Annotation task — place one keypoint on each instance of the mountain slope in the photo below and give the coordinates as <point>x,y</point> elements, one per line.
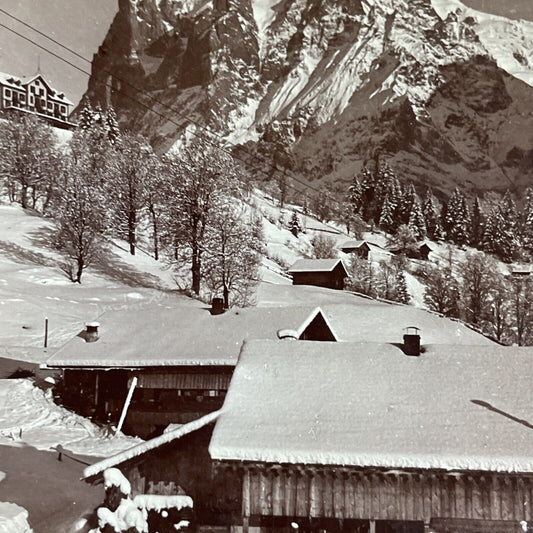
<point>356,78</point>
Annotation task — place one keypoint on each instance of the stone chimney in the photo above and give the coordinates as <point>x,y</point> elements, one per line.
<point>411,341</point>
<point>217,306</point>
<point>91,331</point>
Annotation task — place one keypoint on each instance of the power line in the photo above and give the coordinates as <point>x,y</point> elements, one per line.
<point>156,101</point>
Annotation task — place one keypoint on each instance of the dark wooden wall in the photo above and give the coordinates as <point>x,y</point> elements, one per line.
<point>330,280</point>
<point>345,493</point>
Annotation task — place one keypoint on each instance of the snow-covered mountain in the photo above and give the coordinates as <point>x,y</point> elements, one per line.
<point>321,86</point>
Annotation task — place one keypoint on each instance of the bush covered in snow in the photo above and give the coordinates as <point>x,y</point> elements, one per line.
<point>146,513</point>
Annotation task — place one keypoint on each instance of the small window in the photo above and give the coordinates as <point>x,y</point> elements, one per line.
<point>32,89</point>
<point>63,110</point>
<point>7,93</point>
<point>50,106</point>
<point>23,98</point>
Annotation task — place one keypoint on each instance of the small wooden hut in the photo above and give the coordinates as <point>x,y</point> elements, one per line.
<point>329,273</point>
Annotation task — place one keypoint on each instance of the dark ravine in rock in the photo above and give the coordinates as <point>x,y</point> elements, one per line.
<point>321,86</point>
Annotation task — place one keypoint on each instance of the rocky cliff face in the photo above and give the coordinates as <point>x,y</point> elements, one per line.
<point>321,86</point>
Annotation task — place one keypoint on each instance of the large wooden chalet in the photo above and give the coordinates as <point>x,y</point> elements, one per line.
<point>329,273</point>
<point>362,437</point>
<point>35,95</point>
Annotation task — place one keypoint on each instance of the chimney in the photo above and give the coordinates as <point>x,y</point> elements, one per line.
<point>91,331</point>
<point>411,341</point>
<point>288,334</point>
<point>217,306</point>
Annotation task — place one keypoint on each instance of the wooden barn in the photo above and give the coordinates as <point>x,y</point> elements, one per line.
<point>329,273</point>
<point>178,361</point>
<point>360,437</point>
<point>366,250</point>
<point>420,250</point>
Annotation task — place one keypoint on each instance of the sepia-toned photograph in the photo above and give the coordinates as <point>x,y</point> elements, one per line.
<point>266,266</point>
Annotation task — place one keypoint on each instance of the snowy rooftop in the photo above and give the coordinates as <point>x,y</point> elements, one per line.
<point>185,334</point>
<point>17,82</point>
<point>315,265</point>
<point>352,244</point>
<point>142,448</point>
<point>369,405</point>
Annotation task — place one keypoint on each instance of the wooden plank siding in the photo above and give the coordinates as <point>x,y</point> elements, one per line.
<point>413,496</point>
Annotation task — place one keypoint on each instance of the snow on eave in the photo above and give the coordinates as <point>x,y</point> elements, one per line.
<point>317,311</point>
<point>144,447</point>
<point>507,464</point>
<point>138,364</point>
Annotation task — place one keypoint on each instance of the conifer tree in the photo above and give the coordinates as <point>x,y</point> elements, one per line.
<point>477,224</point>
<point>294,224</point>
<point>86,115</point>
<point>405,205</point>
<point>111,125</point>
<point>403,295</point>
<point>456,220</point>
<point>431,216</point>
<point>355,195</point>
<point>416,222</point>
<point>527,226</point>
<point>368,190</point>
<point>386,219</point>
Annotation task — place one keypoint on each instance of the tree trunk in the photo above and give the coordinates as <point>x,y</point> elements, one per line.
<point>154,226</point>
<point>131,231</point>
<point>196,269</point>
<point>79,271</point>
<point>24,196</point>
<point>225,293</point>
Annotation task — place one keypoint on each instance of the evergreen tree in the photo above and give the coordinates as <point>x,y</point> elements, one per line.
<point>527,226</point>
<point>294,224</point>
<point>111,125</point>
<point>403,295</point>
<point>477,224</point>
<point>405,206</point>
<point>368,191</point>
<point>386,219</point>
<point>86,115</point>
<point>432,217</point>
<point>499,237</point>
<point>456,219</point>
<point>404,241</point>
<point>355,195</point>
<point>416,222</point>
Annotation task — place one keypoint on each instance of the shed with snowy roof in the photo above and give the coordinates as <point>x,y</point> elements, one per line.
<point>366,250</point>
<point>329,273</point>
<point>361,437</point>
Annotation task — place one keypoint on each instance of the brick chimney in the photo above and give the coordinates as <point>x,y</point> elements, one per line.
<point>91,331</point>
<point>411,341</point>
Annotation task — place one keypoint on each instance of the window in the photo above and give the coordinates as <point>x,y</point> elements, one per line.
<point>32,89</point>
<point>63,110</point>
<point>7,93</point>
<point>23,98</point>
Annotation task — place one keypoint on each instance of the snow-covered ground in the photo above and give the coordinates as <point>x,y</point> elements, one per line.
<point>29,416</point>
